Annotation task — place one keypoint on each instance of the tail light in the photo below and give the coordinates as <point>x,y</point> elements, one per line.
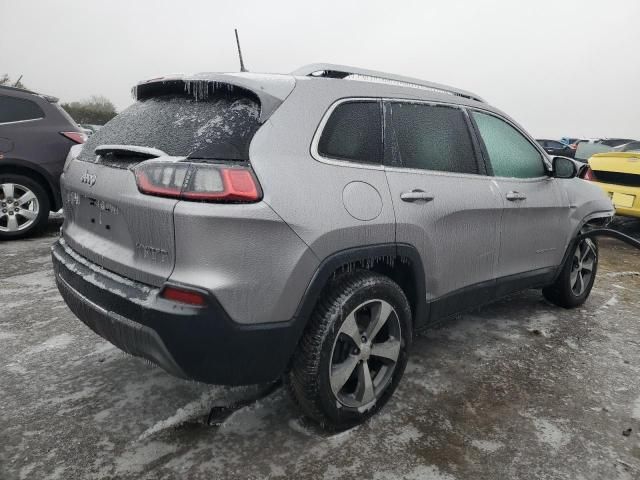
<point>183,295</point>
<point>77,137</point>
<point>206,182</point>
<point>588,174</point>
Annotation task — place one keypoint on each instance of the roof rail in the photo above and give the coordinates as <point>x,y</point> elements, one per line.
<point>328,70</point>
<point>48,98</point>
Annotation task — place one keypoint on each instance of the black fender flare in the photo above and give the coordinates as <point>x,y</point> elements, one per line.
<point>359,256</point>
<point>603,218</point>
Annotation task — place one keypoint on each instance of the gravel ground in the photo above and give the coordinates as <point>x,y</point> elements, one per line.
<point>518,389</point>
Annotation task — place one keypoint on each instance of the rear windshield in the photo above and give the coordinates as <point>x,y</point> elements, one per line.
<point>219,127</point>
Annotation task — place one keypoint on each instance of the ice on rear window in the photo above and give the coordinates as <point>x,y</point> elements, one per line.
<point>219,127</point>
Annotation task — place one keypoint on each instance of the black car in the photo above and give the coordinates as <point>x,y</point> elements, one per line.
<point>554,147</point>
<point>35,137</point>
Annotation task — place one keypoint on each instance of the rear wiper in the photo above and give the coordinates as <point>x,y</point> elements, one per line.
<point>129,150</point>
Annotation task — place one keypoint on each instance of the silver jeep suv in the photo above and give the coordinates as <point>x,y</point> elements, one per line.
<point>235,228</point>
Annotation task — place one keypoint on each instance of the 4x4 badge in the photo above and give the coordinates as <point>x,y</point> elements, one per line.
<point>88,178</point>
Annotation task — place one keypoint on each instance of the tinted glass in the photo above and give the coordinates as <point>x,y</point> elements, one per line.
<point>16,109</point>
<point>631,147</point>
<point>554,144</point>
<point>353,132</point>
<point>510,153</point>
<point>220,127</point>
<point>431,137</point>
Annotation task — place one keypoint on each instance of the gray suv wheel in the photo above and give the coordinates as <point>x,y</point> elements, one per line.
<point>573,286</point>
<point>24,206</point>
<point>354,351</point>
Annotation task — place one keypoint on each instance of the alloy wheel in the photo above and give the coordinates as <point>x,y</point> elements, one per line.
<point>365,354</point>
<point>584,260</point>
<point>19,207</point>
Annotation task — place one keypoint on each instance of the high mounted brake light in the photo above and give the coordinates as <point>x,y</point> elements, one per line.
<point>203,182</point>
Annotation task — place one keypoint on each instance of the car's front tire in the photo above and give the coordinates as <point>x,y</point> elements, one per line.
<point>353,352</point>
<point>573,286</point>
<point>24,206</point>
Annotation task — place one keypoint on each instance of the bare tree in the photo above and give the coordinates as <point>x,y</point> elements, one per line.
<point>5,79</point>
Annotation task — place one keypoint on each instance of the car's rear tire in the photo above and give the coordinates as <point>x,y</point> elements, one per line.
<point>353,351</point>
<point>573,286</point>
<point>24,206</point>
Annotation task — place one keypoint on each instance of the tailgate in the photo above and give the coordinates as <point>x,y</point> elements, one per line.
<point>109,222</point>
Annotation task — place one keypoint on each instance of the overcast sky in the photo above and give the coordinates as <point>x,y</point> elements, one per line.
<point>559,67</point>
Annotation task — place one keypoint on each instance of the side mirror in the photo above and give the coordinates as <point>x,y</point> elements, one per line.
<point>564,167</point>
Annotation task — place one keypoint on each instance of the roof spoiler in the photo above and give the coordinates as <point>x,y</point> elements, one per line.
<point>271,90</point>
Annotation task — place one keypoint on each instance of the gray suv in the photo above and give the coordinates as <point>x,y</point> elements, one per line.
<point>235,228</point>
<point>35,137</point>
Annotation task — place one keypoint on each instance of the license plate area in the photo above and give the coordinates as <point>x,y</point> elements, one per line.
<point>93,213</point>
<point>623,200</point>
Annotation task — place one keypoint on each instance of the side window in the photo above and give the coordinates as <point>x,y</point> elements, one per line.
<point>16,109</point>
<point>353,133</point>
<point>430,137</point>
<point>510,153</point>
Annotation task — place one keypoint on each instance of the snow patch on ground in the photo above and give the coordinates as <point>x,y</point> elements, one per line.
<point>7,335</point>
<point>487,446</point>
<point>611,302</point>
<point>59,341</point>
<point>550,434</point>
<point>297,425</point>
<point>403,436</point>
<point>422,472</point>
<point>197,408</point>
<point>636,409</point>
<point>136,460</point>
<point>622,274</point>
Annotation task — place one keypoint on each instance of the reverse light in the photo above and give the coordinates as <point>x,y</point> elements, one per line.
<point>206,182</point>
<point>77,137</point>
<point>182,295</point>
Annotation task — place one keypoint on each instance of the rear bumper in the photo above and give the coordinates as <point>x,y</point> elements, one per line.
<point>199,343</point>
<point>611,188</point>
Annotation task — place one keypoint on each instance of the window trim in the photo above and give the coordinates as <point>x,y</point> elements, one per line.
<point>485,153</point>
<point>21,121</point>
<point>13,122</point>
<point>343,162</point>
<point>475,146</point>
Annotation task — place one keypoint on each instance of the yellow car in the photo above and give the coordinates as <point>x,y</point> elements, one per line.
<point>618,174</point>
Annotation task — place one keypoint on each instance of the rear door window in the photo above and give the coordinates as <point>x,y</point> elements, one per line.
<point>430,137</point>
<point>18,109</point>
<point>510,153</point>
<point>353,133</point>
<point>219,127</point>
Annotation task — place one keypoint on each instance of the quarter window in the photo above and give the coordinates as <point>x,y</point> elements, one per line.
<point>16,109</point>
<point>430,137</point>
<point>354,133</point>
<point>510,153</point>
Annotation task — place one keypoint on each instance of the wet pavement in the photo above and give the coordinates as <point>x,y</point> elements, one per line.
<point>517,390</point>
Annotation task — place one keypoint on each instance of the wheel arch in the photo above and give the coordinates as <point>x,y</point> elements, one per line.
<point>38,174</point>
<point>593,220</point>
<point>400,262</point>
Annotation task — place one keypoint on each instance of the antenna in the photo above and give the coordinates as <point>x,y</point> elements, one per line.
<point>18,81</point>
<point>242,69</point>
